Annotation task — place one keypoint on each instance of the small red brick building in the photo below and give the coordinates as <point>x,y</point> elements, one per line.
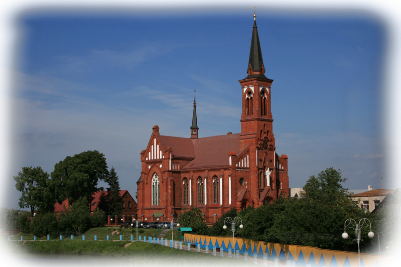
<point>129,205</point>
<point>217,173</point>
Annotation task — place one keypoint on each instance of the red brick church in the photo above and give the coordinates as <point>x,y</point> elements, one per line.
<point>220,172</point>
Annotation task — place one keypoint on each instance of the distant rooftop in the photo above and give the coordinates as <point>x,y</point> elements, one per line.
<point>375,192</point>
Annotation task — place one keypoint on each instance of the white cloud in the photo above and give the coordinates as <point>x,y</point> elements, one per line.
<point>110,58</point>
<point>46,85</point>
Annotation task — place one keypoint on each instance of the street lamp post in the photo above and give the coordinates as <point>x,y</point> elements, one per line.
<point>358,228</point>
<point>233,221</point>
<point>172,221</point>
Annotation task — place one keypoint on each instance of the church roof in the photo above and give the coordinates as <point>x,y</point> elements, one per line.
<point>182,147</point>
<point>212,152</point>
<point>205,152</point>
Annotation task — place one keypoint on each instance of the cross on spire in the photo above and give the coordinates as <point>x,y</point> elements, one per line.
<point>254,14</point>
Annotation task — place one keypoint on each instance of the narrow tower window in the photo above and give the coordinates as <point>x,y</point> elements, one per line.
<point>249,105</point>
<point>185,190</point>
<point>155,190</point>
<point>216,190</point>
<point>263,96</point>
<point>200,190</point>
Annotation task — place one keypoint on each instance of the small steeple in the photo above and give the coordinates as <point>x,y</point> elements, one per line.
<point>194,128</point>
<point>255,65</point>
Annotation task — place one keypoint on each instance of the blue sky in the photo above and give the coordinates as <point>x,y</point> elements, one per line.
<point>90,81</point>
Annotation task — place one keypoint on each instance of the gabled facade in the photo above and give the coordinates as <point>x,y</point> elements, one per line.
<point>128,204</point>
<point>217,173</point>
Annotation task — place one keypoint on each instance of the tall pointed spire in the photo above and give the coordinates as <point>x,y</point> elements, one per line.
<point>194,128</point>
<point>256,69</point>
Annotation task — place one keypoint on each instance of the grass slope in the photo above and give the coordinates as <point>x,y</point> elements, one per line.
<point>142,253</point>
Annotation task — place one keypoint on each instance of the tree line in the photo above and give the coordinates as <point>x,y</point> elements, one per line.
<point>316,219</point>
<point>76,179</point>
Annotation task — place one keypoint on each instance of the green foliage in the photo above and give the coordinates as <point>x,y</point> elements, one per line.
<point>258,222</point>
<point>9,218</point>
<point>78,176</point>
<point>45,224</point>
<point>36,189</point>
<point>24,222</point>
<point>316,220</point>
<point>98,218</point>
<point>326,187</point>
<point>217,228</point>
<point>194,219</point>
<point>76,219</point>
<point>110,203</point>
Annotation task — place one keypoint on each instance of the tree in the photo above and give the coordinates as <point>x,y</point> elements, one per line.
<point>326,187</point>
<point>113,197</point>
<point>79,175</point>
<point>36,189</point>
<point>44,224</point>
<point>258,222</point>
<point>193,218</point>
<point>217,228</point>
<point>76,219</point>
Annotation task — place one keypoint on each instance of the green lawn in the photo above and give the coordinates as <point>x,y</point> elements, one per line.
<point>117,251</point>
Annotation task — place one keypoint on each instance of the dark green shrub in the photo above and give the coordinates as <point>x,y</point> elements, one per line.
<point>45,224</point>
<point>193,218</point>
<point>77,219</point>
<point>24,222</point>
<point>97,218</point>
<point>9,218</point>
<point>217,228</point>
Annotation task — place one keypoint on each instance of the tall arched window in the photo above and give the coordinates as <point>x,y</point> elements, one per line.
<point>185,190</point>
<point>263,96</point>
<point>216,190</point>
<point>261,179</point>
<point>155,190</point>
<point>249,104</point>
<point>200,190</point>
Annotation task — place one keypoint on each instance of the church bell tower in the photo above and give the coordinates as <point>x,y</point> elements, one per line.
<point>256,116</point>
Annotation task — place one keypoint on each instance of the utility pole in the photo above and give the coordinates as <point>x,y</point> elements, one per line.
<point>382,182</point>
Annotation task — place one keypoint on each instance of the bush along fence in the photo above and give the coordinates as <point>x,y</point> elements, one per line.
<point>297,255</point>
